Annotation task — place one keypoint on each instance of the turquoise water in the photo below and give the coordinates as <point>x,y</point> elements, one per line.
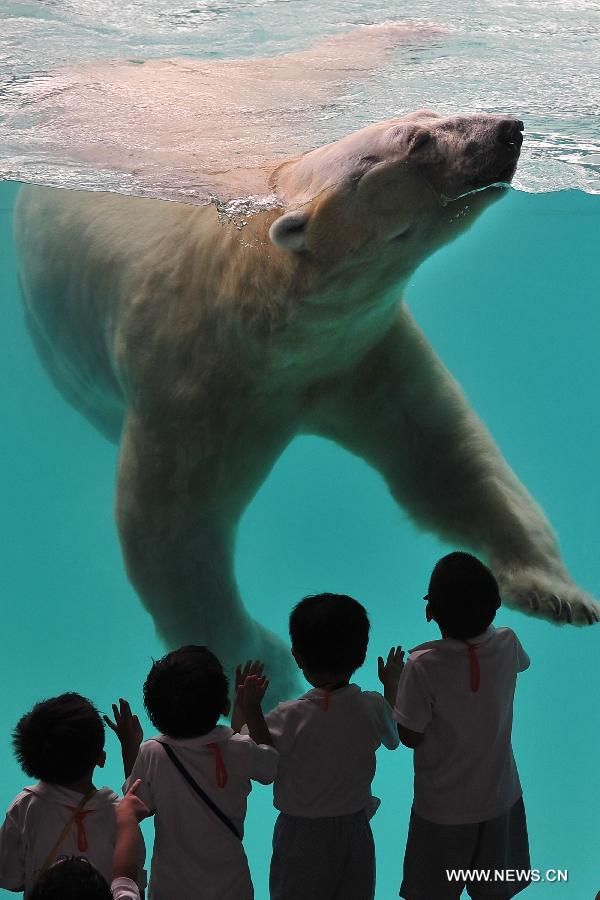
<point>512,308</point>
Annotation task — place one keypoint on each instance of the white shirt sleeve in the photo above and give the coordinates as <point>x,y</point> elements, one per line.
<point>12,858</point>
<point>140,770</point>
<point>262,759</point>
<point>413,700</point>
<point>523,661</point>
<point>124,889</point>
<point>384,718</point>
<point>279,725</point>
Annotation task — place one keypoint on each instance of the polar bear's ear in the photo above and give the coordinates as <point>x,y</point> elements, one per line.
<point>289,231</point>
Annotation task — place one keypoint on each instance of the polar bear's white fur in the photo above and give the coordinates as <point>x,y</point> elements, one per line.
<point>204,349</point>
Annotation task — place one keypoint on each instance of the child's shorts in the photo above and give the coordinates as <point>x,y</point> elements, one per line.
<point>499,847</point>
<point>329,858</point>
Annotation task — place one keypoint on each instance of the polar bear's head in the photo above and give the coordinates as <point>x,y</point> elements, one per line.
<point>394,191</point>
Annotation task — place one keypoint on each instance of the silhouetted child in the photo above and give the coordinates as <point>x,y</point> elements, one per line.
<point>195,777</point>
<point>60,742</point>
<point>322,844</point>
<point>73,878</point>
<point>455,707</point>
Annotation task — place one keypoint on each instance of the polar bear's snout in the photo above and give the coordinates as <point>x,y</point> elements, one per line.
<point>466,153</point>
<point>509,140</point>
<point>510,133</point>
<point>499,149</point>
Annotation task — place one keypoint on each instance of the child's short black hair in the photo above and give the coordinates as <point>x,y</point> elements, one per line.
<point>60,740</point>
<point>186,692</point>
<point>463,595</point>
<point>72,879</point>
<point>330,632</point>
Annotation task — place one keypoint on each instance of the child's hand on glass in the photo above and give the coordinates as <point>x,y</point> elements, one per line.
<point>389,673</point>
<point>251,691</point>
<point>251,667</point>
<point>127,728</point>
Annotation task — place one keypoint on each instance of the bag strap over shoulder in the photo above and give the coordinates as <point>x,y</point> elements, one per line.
<point>198,790</point>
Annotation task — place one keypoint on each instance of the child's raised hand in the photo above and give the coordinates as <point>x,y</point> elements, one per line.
<point>249,696</point>
<point>390,671</point>
<point>126,726</point>
<point>250,693</point>
<point>131,806</point>
<point>251,667</point>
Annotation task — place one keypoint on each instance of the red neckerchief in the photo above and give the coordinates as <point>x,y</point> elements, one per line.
<point>78,818</point>
<point>475,672</point>
<point>327,689</point>
<point>220,769</point>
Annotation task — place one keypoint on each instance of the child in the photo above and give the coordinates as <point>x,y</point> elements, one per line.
<point>454,707</point>
<point>75,879</point>
<point>322,844</point>
<point>60,742</point>
<point>198,847</point>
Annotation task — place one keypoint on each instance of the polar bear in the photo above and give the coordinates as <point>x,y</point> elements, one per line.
<point>203,349</point>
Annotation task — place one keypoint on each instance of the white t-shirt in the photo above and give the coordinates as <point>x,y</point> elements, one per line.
<point>34,823</point>
<point>327,750</point>
<point>195,854</point>
<point>124,889</point>
<point>464,767</point>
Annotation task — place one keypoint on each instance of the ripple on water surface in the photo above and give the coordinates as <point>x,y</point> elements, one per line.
<point>70,118</point>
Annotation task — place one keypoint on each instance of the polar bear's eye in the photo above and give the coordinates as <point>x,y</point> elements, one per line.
<point>370,160</point>
<point>420,139</point>
<point>365,164</point>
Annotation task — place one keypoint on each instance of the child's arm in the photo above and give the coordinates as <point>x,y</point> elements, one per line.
<point>410,739</point>
<point>129,854</point>
<point>252,667</point>
<point>249,698</point>
<point>129,731</point>
<point>390,672</point>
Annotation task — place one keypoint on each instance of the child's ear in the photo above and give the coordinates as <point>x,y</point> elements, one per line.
<point>298,658</point>
<point>226,709</point>
<point>428,613</point>
<point>101,760</point>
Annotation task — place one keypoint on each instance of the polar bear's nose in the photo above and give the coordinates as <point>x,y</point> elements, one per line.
<point>509,133</point>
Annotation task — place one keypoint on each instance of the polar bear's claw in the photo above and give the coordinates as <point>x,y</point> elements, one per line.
<point>538,594</point>
<point>557,604</point>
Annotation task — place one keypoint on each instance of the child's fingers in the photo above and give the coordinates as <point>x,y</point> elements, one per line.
<point>112,725</point>
<point>134,787</point>
<point>242,671</point>
<point>124,708</point>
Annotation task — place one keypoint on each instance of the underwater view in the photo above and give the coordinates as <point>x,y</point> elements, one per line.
<point>105,103</point>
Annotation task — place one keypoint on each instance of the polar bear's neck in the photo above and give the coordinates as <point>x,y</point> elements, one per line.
<point>307,322</point>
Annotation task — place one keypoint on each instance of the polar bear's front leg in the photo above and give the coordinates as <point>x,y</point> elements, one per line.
<point>403,412</point>
<point>179,499</point>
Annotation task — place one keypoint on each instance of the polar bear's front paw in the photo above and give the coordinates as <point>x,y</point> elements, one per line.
<point>280,668</point>
<point>538,594</point>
